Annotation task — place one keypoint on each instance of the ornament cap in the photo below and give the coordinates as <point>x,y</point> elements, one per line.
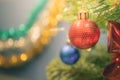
<point>83,15</point>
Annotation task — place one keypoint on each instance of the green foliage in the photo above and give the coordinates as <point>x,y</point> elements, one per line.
<point>99,11</point>
<point>89,67</point>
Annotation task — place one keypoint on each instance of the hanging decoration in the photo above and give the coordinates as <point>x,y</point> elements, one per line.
<point>69,54</point>
<point>84,33</point>
<point>40,35</point>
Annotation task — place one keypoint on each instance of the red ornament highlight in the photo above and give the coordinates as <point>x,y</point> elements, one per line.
<point>84,33</point>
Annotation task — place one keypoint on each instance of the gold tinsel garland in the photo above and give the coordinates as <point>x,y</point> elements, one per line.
<point>52,10</point>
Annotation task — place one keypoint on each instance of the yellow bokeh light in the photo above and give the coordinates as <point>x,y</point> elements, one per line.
<point>14,59</point>
<point>23,57</point>
<point>45,41</point>
<point>1,60</point>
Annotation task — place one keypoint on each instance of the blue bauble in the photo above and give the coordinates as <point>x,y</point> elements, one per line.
<point>69,54</point>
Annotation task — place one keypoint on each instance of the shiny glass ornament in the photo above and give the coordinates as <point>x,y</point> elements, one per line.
<point>114,37</point>
<point>69,54</point>
<point>84,33</point>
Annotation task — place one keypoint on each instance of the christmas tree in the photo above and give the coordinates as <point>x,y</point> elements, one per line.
<point>92,62</point>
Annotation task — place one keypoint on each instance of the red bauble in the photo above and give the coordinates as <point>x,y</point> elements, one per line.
<point>84,33</point>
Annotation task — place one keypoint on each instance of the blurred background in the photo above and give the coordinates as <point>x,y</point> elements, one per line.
<point>13,14</point>
<point>32,34</point>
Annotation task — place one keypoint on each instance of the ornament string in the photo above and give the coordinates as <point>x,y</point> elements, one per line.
<point>82,14</point>
<point>83,6</point>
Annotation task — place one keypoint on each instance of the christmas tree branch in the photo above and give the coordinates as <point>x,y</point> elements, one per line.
<point>89,67</point>
<point>99,11</point>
